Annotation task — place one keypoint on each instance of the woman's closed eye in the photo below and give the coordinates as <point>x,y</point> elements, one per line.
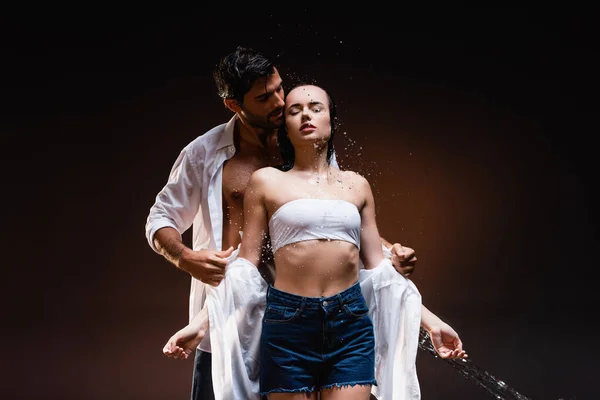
<point>315,109</point>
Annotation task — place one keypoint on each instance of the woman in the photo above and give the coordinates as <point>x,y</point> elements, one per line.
<point>317,333</point>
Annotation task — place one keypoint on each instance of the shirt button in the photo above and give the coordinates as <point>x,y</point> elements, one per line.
<point>325,303</point>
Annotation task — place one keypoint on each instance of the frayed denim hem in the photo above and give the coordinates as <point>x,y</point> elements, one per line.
<point>372,382</point>
<point>305,389</point>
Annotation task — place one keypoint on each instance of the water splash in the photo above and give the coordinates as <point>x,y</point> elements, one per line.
<point>495,387</point>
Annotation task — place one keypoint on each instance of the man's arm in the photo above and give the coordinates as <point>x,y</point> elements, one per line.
<point>207,266</point>
<point>169,243</point>
<point>176,204</point>
<point>173,212</point>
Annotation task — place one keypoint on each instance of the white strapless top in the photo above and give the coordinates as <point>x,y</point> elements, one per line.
<point>310,219</point>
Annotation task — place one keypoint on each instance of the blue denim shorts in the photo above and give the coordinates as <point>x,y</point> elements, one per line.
<point>313,343</point>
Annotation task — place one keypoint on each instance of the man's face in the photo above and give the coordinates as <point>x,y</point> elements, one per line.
<point>263,104</point>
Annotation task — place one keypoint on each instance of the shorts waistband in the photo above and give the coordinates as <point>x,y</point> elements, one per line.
<point>294,300</point>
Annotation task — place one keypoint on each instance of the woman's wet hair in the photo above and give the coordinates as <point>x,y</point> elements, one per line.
<point>286,148</point>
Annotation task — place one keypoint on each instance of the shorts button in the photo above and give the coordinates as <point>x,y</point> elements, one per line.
<point>325,303</point>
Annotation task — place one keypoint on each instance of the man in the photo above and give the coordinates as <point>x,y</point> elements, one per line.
<point>206,189</point>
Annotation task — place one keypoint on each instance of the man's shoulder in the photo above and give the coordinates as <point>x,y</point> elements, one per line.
<point>209,139</point>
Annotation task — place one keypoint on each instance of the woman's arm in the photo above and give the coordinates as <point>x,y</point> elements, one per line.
<point>255,216</point>
<point>371,252</point>
<point>445,340</point>
<point>184,341</point>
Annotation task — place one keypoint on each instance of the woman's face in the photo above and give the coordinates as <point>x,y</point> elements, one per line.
<point>307,115</point>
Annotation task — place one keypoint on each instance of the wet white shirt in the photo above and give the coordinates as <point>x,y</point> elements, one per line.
<point>192,196</point>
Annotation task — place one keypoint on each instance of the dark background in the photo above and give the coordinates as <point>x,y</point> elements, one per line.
<point>477,129</point>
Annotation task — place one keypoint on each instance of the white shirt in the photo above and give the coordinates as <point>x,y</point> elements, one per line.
<point>193,195</point>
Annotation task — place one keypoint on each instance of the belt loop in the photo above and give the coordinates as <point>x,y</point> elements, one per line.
<point>340,300</point>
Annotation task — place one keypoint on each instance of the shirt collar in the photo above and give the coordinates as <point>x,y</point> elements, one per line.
<point>226,139</point>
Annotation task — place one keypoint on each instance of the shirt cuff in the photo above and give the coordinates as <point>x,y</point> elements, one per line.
<point>386,252</point>
<point>152,230</point>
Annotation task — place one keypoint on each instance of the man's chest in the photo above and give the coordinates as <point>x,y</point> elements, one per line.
<point>236,175</point>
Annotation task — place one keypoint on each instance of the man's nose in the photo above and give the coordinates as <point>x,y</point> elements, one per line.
<point>279,101</point>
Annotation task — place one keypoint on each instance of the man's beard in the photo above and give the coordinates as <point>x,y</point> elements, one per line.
<point>261,122</point>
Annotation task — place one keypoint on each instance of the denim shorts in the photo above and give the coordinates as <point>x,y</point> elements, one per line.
<point>313,343</point>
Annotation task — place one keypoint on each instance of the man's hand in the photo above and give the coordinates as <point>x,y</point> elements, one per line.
<point>207,266</point>
<point>446,342</point>
<point>403,259</point>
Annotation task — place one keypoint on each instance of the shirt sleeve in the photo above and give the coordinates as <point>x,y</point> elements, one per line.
<point>178,202</point>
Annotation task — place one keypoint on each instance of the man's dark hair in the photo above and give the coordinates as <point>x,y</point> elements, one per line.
<point>236,72</point>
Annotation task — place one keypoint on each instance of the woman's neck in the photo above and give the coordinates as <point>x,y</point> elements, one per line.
<point>313,161</point>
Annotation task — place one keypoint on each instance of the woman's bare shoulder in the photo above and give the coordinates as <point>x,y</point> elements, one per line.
<point>265,175</point>
<point>353,177</point>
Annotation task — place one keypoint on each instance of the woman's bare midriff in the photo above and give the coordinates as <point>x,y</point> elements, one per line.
<point>316,268</point>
